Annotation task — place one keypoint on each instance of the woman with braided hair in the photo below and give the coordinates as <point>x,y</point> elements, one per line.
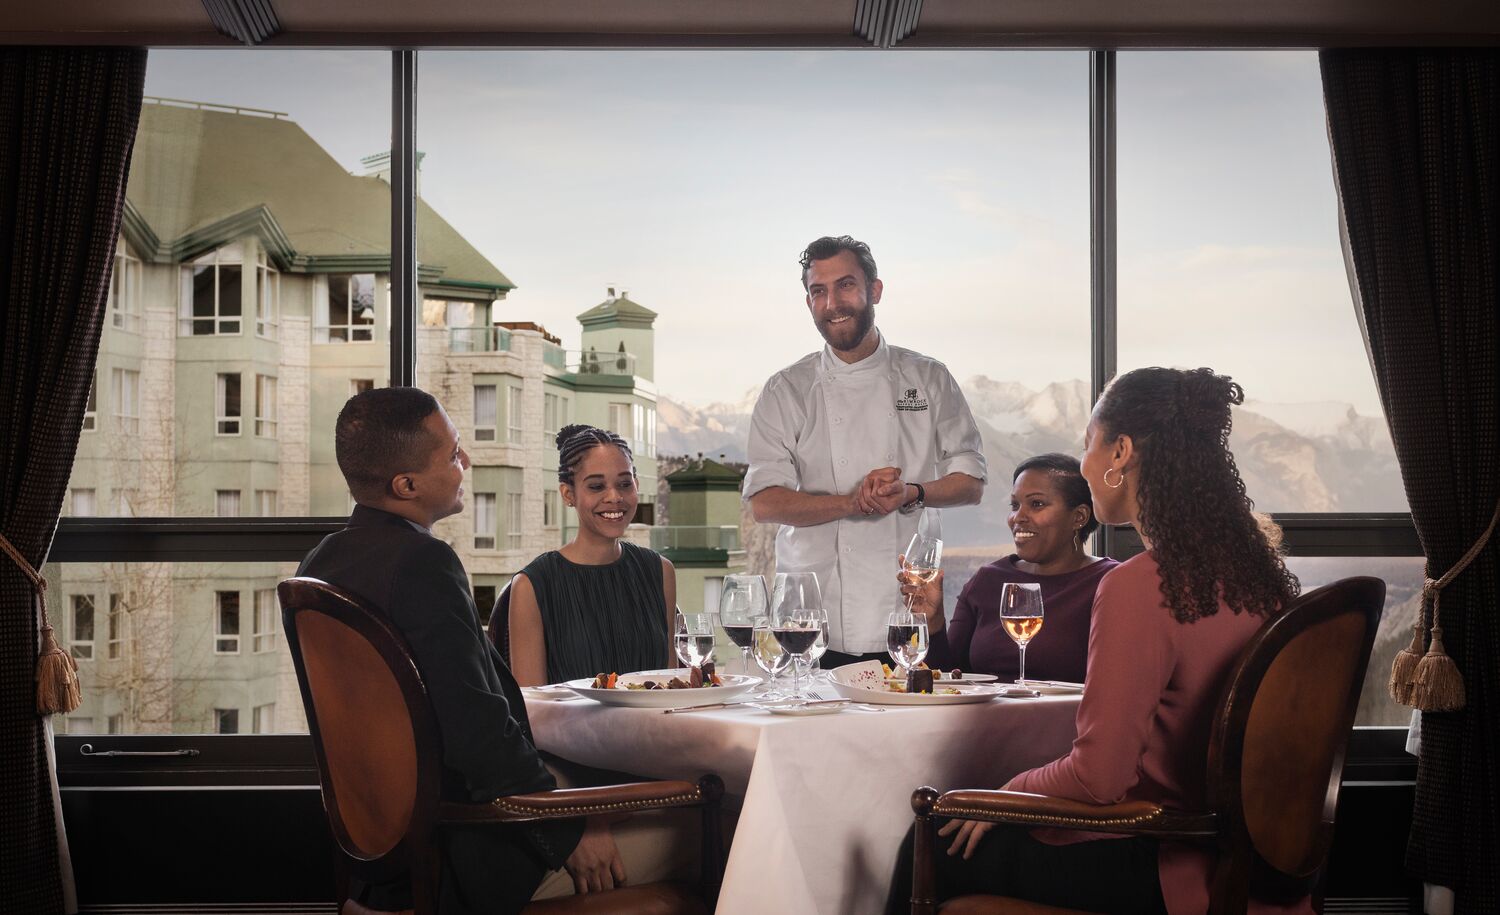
<point>1168,626</point>
<point>600,603</point>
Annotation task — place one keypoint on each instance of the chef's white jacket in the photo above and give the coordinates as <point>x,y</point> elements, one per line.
<point>820,426</point>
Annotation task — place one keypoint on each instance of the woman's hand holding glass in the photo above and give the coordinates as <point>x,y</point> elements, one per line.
<point>925,598</point>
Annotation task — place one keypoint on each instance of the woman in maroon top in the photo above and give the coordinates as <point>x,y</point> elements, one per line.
<point>1168,627</point>
<point>1051,517</point>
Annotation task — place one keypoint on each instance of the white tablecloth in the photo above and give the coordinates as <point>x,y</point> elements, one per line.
<point>826,798</point>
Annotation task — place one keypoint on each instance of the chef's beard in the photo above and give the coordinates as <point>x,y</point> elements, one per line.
<point>863,322</point>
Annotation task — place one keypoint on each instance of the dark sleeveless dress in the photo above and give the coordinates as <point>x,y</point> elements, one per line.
<point>601,619</point>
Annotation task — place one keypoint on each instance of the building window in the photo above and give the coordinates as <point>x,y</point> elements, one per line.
<point>265,503</point>
<point>91,408</point>
<point>619,419</point>
<point>227,409</point>
<point>265,406</point>
<point>81,639</point>
<point>484,521</point>
<point>115,724</point>
<point>211,295</point>
<point>79,725</point>
<point>83,503</point>
<point>549,415</point>
<point>485,406</point>
<point>125,394</point>
<point>644,422</point>
<point>263,719</point>
<point>117,622</point>
<point>226,623</point>
<point>513,414</point>
<point>125,291</point>
<point>226,503</point>
<point>265,620</point>
<point>513,520</point>
<point>360,385</point>
<point>551,505</point>
<point>267,298</point>
<point>346,313</point>
<point>226,721</point>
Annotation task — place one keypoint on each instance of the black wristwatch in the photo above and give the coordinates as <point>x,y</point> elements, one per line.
<point>917,503</point>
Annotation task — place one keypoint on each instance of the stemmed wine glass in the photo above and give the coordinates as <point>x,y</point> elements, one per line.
<point>769,655</point>
<point>694,637</point>
<point>796,609</point>
<point>1021,614</point>
<point>742,599</point>
<point>906,640</point>
<point>820,646</point>
<point>923,558</point>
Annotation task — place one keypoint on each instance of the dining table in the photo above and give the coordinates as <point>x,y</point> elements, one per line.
<point>823,800</point>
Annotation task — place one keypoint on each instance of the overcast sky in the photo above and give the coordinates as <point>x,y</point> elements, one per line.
<point>693,180</point>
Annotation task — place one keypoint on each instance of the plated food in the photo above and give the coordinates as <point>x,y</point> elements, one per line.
<point>630,690</point>
<point>697,678</point>
<point>867,682</point>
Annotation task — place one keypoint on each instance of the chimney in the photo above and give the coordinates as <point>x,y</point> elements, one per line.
<point>611,293</point>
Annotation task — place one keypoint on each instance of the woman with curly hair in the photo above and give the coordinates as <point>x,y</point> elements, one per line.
<point>1168,626</point>
<point>600,604</point>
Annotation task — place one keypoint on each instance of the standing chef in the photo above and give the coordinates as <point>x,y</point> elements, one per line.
<point>848,444</point>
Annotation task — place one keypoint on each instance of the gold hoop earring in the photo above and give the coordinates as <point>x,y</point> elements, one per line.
<point>1117,484</point>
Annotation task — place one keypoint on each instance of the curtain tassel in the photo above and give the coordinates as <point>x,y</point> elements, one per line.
<point>57,688</point>
<point>1439,686</point>
<point>1404,668</point>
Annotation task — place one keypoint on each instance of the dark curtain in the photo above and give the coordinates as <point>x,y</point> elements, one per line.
<point>1416,148</point>
<point>67,126</point>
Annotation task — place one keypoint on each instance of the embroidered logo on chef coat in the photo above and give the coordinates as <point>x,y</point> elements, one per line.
<point>909,402</point>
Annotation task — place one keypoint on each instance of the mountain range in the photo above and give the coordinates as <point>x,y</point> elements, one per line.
<point>1295,457</point>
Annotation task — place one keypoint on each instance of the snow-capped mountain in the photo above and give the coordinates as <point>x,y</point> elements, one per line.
<point>1303,457</point>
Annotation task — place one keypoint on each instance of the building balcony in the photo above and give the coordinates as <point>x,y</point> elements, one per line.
<point>697,544</point>
<point>478,340</point>
<point>576,362</point>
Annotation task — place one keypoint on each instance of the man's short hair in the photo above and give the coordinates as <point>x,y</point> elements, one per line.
<point>379,434</point>
<point>831,246</point>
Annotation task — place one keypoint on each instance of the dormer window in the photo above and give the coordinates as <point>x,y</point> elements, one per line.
<point>212,295</point>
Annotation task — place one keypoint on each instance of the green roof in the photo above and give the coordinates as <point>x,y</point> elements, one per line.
<point>200,177</point>
<point>619,309</point>
<point>705,470</point>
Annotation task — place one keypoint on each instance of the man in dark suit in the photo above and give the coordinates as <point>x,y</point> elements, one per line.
<point>400,454</point>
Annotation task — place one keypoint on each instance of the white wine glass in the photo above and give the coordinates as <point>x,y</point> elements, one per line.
<point>922,560</point>
<point>769,654</point>
<point>1021,614</point>
<point>742,599</point>
<point>694,638</point>
<point>906,640</point>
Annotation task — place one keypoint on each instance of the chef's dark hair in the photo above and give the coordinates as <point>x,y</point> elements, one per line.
<point>573,442</point>
<point>1068,474</point>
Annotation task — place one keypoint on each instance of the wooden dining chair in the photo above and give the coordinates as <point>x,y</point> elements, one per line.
<point>1275,763</point>
<point>379,756</point>
<point>499,627</point>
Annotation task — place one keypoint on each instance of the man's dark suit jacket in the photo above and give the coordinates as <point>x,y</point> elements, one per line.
<point>418,582</point>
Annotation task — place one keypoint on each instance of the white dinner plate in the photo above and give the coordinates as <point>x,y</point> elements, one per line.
<point>734,685</point>
<point>865,682</point>
<point>966,678</point>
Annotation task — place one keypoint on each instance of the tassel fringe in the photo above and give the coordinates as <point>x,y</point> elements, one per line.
<point>1404,668</point>
<point>1439,686</point>
<point>57,688</point>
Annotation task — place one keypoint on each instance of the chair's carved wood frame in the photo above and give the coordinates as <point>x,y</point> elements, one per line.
<point>417,852</point>
<point>1241,869</point>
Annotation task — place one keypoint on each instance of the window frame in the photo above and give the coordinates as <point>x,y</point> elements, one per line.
<point>126,423</point>
<point>278,759</point>
<point>488,432</point>
<point>221,637</point>
<point>123,303</point>
<point>267,389</point>
<point>485,537</point>
<point>187,320</point>
<point>323,333</point>
<point>223,419</point>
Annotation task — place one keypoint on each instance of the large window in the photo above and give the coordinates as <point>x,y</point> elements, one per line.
<point>213,294</point>
<point>975,197</point>
<point>227,404</point>
<point>346,312</point>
